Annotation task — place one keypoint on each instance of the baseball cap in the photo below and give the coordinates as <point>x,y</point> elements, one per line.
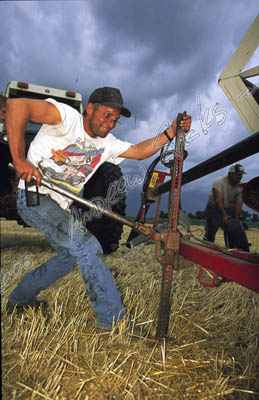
<point>110,97</point>
<point>237,169</point>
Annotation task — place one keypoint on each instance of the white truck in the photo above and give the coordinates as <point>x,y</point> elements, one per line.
<point>16,89</point>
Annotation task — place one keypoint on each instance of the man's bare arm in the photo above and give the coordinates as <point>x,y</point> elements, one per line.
<point>18,113</point>
<point>149,147</point>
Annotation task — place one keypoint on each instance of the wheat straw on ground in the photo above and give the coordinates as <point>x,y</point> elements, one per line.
<point>213,352</point>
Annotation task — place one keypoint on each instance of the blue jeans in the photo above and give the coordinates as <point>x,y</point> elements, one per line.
<point>214,220</point>
<point>74,245</point>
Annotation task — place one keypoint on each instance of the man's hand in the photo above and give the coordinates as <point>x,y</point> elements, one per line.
<point>26,171</point>
<point>225,218</point>
<point>185,124</point>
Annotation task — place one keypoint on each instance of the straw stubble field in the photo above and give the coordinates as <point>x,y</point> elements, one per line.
<point>213,352</point>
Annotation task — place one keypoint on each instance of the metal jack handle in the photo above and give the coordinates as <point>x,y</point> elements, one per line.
<point>141,228</point>
<point>167,250</point>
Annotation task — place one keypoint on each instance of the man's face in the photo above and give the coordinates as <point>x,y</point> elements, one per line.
<point>101,119</point>
<point>234,177</point>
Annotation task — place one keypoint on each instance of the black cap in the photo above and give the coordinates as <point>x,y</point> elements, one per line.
<point>110,97</point>
<point>237,169</point>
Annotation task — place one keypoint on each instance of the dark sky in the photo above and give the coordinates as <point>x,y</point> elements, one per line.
<point>164,56</point>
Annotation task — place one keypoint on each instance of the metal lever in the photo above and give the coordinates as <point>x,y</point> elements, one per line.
<point>167,250</point>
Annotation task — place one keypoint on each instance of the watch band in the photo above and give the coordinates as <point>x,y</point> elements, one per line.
<point>166,134</point>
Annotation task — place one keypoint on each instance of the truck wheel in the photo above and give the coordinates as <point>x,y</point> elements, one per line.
<point>235,235</point>
<point>108,186</point>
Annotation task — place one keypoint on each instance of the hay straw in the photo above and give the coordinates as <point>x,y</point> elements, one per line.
<point>213,352</point>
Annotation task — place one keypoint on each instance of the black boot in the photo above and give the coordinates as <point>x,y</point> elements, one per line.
<point>21,308</point>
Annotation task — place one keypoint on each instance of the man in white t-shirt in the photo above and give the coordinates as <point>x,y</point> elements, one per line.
<point>67,150</point>
<point>224,202</point>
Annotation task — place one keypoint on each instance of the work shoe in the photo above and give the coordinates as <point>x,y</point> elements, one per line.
<point>21,308</point>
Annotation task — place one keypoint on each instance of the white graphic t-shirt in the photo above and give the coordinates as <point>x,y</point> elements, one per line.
<point>67,156</point>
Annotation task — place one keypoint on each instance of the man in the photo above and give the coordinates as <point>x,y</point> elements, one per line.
<point>224,202</point>
<point>68,149</point>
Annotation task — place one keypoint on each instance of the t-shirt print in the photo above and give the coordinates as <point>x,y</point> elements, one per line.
<point>70,166</point>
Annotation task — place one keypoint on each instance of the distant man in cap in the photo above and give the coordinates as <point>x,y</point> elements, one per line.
<point>69,148</point>
<point>224,202</point>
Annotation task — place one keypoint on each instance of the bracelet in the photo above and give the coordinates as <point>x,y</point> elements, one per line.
<point>166,134</point>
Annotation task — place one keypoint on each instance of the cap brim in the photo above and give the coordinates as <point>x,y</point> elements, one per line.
<point>124,111</point>
<point>237,172</point>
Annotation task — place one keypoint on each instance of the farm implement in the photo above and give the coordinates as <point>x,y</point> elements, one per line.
<point>172,250</point>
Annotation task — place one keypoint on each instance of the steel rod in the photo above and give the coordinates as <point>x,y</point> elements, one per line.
<point>84,202</point>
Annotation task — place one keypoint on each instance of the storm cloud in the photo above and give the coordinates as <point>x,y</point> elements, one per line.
<point>164,56</point>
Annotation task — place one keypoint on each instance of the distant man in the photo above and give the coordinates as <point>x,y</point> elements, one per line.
<point>224,202</point>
